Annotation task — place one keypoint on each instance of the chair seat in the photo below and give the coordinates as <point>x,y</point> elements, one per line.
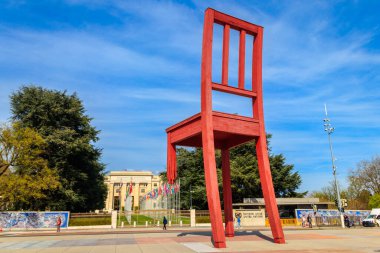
<point>229,130</point>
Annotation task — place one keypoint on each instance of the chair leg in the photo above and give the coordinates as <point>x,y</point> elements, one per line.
<point>268,190</point>
<point>227,193</point>
<point>171,161</point>
<point>213,199</point>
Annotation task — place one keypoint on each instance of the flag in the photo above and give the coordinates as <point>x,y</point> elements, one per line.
<point>166,189</point>
<point>159,190</point>
<point>129,190</point>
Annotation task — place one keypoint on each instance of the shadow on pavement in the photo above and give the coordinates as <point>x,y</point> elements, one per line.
<point>237,234</point>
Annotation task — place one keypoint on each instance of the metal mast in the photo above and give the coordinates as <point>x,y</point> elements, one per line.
<point>329,130</point>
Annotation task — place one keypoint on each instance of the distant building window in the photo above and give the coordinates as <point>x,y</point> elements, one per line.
<point>155,184</point>
<point>143,185</point>
<point>142,190</point>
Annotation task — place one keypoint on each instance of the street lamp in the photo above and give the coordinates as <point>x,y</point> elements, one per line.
<point>329,130</point>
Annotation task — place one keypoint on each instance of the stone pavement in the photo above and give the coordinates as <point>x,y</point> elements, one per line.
<point>187,240</point>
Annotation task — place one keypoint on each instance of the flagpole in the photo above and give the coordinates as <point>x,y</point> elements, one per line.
<point>120,188</point>
<point>176,203</point>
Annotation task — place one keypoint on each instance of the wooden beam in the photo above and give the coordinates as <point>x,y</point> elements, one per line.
<point>233,90</point>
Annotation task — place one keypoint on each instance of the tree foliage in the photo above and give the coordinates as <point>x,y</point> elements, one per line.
<point>364,186</point>
<point>364,181</point>
<point>245,174</point>
<point>366,176</point>
<point>245,180</point>
<point>374,201</point>
<point>25,177</point>
<point>61,120</point>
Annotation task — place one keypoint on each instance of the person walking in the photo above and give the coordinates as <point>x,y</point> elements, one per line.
<point>309,220</point>
<point>238,222</point>
<point>347,221</point>
<point>59,222</point>
<point>303,221</point>
<point>165,221</point>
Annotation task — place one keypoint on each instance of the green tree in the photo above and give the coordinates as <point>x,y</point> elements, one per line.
<point>61,120</point>
<point>245,177</point>
<point>245,180</point>
<point>25,177</point>
<point>374,201</point>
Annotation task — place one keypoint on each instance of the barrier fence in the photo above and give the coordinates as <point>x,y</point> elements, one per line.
<point>32,220</point>
<point>153,217</point>
<point>145,218</point>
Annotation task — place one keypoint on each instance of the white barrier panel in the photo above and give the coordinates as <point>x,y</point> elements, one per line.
<point>250,217</point>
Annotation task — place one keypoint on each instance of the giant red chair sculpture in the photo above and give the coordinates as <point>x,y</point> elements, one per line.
<point>216,130</point>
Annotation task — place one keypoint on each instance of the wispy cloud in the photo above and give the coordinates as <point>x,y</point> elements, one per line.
<point>140,73</point>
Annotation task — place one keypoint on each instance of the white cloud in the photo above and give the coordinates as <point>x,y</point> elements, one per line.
<point>142,75</point>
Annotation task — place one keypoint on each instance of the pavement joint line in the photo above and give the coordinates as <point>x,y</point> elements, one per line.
<point>6,244</point>
<point>199,247</point>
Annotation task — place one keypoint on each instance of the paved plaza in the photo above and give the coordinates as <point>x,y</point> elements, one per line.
<point>156,241</point>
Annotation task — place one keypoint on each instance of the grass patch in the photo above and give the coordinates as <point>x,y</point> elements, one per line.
<point>93,221</point>
<point>142,219</point>
<point>204,219</point>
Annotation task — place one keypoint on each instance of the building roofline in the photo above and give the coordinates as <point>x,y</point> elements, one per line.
<point>128,173</point>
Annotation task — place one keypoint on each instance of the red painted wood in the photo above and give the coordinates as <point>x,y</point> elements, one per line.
<point>211,177</point>
<point>183,122</point>
<point>241,60</point>
<point>187,131</point>
<point>227,193</point>
<point>233,90</point>
<point>171,161</point>
<point>226,48</point>
<point>229,129</point>
<point>237,127</point>
<point>262,150</point>
<point>235,23</point>
<point>211,130</point>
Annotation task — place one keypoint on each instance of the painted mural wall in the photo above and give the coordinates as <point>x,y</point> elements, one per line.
<point>330,213</point>
<point>32,220</point>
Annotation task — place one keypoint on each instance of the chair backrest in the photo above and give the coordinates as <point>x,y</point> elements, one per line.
<point>244,28</point>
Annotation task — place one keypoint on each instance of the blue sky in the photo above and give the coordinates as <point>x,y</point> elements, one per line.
<point>136,66</point>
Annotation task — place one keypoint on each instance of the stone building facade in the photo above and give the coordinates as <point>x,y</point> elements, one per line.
<point>118,182</point>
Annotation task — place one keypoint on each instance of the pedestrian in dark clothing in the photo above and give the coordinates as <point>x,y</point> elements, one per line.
<point>309,221</point>
<point>59,222</point>
<point>165,221</point>
<point>347,221</point>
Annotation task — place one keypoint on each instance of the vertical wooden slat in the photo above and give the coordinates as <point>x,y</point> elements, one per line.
<point>257,72</point>
<point>241,60</point>
<point>256,61</point>
<point>226,48</point>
